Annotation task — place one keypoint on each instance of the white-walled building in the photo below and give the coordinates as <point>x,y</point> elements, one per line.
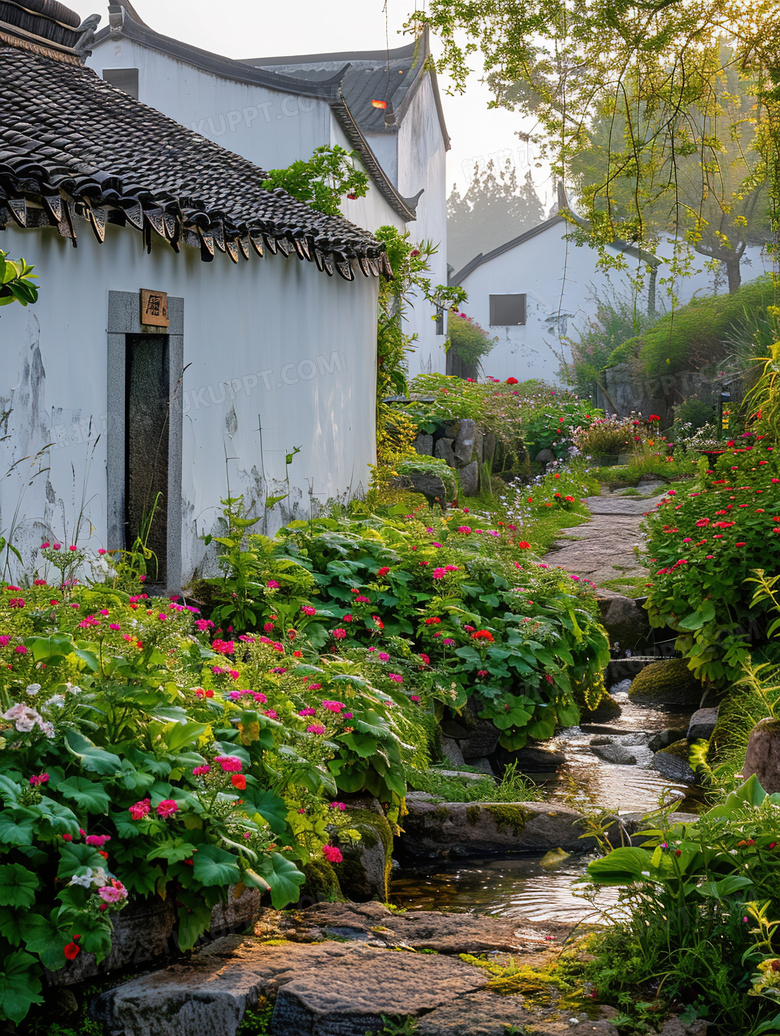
<point>537,291</point>
<point>201,331</point>
<point>274,111</point>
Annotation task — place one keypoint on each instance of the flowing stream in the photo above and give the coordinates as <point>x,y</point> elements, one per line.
<point>520,886</point>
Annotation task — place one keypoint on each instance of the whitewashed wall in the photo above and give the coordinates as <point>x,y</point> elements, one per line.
<point>269,343</point>
<point>561,281</point>
<point>270,128</point>
<point>422,164</point>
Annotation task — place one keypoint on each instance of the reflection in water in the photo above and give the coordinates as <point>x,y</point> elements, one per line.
<point>521,887</point>
<point>511,887</point>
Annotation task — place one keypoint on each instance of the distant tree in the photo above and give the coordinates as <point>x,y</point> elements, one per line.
<point>702,188</point>
<point>493,210</point>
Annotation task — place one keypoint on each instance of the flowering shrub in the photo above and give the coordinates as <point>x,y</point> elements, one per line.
<point>138,758</point>
<point>468,341</point>
<point>609,436</point>
<point>702,546</point>
<point>447,609</point>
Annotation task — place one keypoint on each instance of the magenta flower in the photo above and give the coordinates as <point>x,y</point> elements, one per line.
<point>111,894</point>
<point>315,728</point>
<point>272,584</point>
<point>307,712</point>
<point>199,771</point>
<point>332,854</point>
<point>166,808</point>
<point>139,810</point>
<point>229,763</point>
<point>339,634</point>
<point>40,778</point>
<point>97,840</point>
<point>333,706</point>
<point>308,610</point>
<point>396,677</point>
<point>383,656</point>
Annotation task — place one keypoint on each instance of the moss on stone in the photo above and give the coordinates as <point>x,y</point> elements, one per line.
<point>667,682</point>
<point>679,749</point>
<point>473,814</point>
<point>374,830</point>
<point>508,815</point>
<point>322,883</point>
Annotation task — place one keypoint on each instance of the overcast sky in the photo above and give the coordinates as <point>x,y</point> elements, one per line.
<point>253,28</point>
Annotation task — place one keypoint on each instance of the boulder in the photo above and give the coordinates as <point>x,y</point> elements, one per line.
<point>762,757</point>
<point>606,709</point>
<point>702,724</point>
<point>463,446</point>
<point>365,870</point>
<point>431,486</point>
<point>327,989</point>
<point>667,683</point>
<point>489,1014</point>
<point>483,764</point>
<point>451,751</point>
<point>322,883</point>
<point>532,759</point>
<point>673,763</point>
<point>423,444</point>
<point>481,738</point>
<point>625,622</point>
<point>436,830</point>
<point>469,479</point>
<point>626,750</point>
<point>664,738</point>
<point>545,457</point>
<point>443,450</point>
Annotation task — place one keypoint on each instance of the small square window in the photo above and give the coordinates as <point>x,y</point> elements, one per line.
<point>123,79</point>
<point>507,310</point>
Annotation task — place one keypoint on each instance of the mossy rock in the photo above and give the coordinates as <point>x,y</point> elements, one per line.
<point>364,873</point>
<point>668,682</point>
<point>672,763</point>
<point>607,708</point>
<point>322,884</point>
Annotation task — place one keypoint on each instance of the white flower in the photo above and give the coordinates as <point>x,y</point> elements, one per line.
<point>58,701</point>
<point>48,729</point>
<point>85,880</point>
<point>33,688</point>
<point>72,688</point>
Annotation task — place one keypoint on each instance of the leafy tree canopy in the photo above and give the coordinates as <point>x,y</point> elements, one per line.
<point>633,74</point>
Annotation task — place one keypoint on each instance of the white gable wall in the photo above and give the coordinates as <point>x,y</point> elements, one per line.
<point>559,279</point>
<point>270,344</point>
<point>268,127</point>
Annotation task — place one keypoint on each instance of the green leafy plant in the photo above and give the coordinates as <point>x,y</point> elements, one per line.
<point>16,281</point>
<point>322,181</point>
<point>467,340</point>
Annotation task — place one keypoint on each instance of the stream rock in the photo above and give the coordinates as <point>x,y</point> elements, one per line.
<point>487,1014</point>
<point>624,749</point>
<point>532,759</point>
<point>666,683</point>
<point>762,757</point>
<point>626,623</point>
<point>702,724</point>
<point>439,830</point>
<point>673,763</point>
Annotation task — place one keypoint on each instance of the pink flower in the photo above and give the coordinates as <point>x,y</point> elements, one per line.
<point>199,771</point>
<point>268,627</point>
<point>229,763</point>
<point>315,728</point>
<point>45,545</point>
<point>383,656</point>
<point>308,610</point>
<point>425,658</point>
<point>166,808</point>
<point>97,840</point>
<point>307,712</point>
<point>112,894</point>
<point>332,854</point>
<point>339,634</point>
<point>396,677</point>
<point>272,584</point>
<point>338,805</point>
<point>438,573</point>
<point>72,548</point>
<point>20,649</point>
<point>40,778</point>
<point>333,706</point>
<point>414,697</point>
<point>140,809</point>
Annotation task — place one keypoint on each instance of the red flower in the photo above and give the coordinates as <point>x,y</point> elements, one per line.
<point>383,570</point>
<point>238,780</point>
<point>523,545</point>
<point>483,635</point>
<point>71,951</point>
<point>432,622</point>
<point>511,381</point>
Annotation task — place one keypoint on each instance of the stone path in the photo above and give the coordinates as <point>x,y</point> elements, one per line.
<point>340,969</point>
<point>603,548</point>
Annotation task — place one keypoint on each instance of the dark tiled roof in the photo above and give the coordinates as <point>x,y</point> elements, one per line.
<point>392,76</point>
<point>71,143</point>
<point>327,87</point>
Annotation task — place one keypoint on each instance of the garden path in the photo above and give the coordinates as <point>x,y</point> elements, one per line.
<point>604,548</point>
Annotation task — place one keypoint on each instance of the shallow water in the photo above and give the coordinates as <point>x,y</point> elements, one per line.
<point>521,886</point>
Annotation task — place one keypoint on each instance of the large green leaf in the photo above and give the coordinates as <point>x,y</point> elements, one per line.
<point>20,986</point>
<point>181,735</point>
<point>622,866</point>
<point>17,828</point>
<point>86,794</point>
<point>269,805</point>
<point>11,925</point>
<point>50,649</point>
<point>214,866</point>
<point>18,885</point>
<point>76,857</point>
<point>47,938</point>
<point>60,817</point>
<point>284,878</point>
<point>92,757</point>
